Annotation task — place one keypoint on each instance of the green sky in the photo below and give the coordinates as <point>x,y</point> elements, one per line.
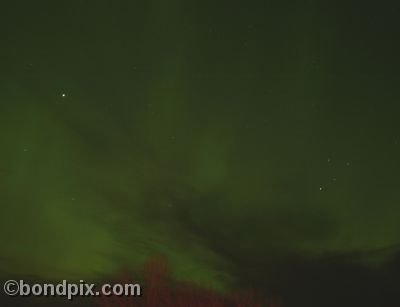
<point>221,136</point>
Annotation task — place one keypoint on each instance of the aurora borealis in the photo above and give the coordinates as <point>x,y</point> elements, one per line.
<point>251,143</point>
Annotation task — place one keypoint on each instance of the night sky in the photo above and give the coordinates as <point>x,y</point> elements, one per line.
<point>253,144</point>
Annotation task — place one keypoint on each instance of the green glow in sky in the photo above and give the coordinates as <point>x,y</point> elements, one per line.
<point>219,140</point>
